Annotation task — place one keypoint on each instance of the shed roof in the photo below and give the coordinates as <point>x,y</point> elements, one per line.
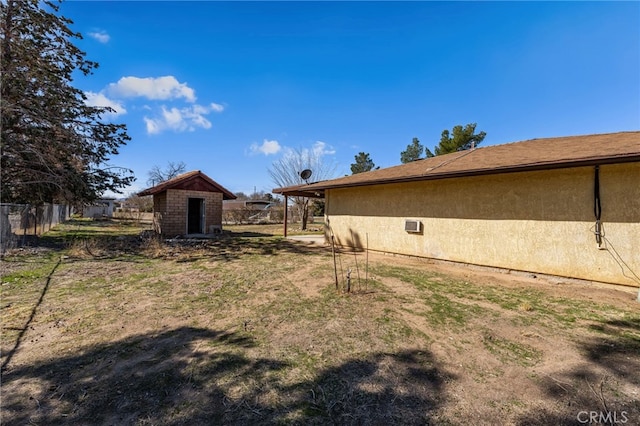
<point>534,154</point>
<point>194,180</point>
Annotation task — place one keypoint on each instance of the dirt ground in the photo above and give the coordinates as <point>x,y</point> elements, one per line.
<point>168,340</point>
<point>553,285</point>
<point>576,385</point>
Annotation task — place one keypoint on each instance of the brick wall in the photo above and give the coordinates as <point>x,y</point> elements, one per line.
<point>159,211</point>
<point>171,208</point>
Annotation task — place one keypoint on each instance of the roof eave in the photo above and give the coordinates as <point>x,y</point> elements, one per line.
<point>300,192</point>
<point>145,192</point>
<point>480,172</point>
<point>170,184</point>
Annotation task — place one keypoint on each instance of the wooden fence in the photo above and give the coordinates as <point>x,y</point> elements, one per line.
<point>17,221</point>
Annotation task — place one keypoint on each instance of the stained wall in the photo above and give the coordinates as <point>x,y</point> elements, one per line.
<point>541,221</point>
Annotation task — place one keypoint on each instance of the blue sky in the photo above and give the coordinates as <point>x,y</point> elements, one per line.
<point>230,87</point>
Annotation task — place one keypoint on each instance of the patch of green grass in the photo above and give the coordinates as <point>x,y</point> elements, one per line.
<point>453,301</point>
<point>83,228</point>
<point>631,339</point>
<point>28,275</point>
<point>511,352</point>
<point>446,311</point>
<point>444,298</point>
<point>394,330</point>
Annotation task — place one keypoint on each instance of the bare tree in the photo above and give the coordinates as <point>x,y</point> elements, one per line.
<point>286,172</point>
<point>136,206</point>
<point>158,175</point>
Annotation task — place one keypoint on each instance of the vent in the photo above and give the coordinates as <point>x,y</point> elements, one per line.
<point>411,225</point>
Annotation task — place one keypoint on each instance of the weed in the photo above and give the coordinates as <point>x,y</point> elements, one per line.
<point>525,306</point>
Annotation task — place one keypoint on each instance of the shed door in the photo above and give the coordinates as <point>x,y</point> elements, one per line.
<point>195,216</point>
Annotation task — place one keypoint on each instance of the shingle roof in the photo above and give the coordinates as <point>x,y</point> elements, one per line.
<point>534,154</point>
<point>187,179</point>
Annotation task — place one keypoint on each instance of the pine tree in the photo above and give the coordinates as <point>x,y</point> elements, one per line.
<point>54,146</point>
<point>461,138</point>
<point>363,163</point>
<point>413,152</point>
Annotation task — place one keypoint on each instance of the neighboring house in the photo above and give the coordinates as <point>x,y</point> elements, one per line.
<point>245,205</point>
<point>189,204</point>
<point>567,206</point>
<point>240,211</point>
<point>103,207</point>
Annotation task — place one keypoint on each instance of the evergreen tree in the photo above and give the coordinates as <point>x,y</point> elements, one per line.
<point>413,152</point>
<point>53,145</point>
<point>460,139</point>
<point>363,163</point>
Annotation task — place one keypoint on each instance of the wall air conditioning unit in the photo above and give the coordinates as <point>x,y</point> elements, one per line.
<point>412,225</point>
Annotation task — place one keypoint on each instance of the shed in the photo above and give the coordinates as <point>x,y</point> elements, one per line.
<point>564,206</point>
<point>103,207</point>
<point>189,204</point>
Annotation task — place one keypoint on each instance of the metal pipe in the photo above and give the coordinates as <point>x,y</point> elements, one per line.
<point>286,208</point>
<point>597,207</point>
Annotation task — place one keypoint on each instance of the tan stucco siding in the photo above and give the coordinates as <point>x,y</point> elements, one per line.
<point>535,221</point>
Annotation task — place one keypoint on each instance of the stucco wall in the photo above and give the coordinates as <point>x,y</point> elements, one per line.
<point>170,211</point>
<point>531,221</point>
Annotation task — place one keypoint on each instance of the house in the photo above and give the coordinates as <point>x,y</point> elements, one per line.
<point>256,205</point>
<point>189,204</point>
<point>241,211</point>
<point>565,206</point>
<point>103,207</point>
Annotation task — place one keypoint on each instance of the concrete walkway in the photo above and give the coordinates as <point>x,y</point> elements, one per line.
<point>310,239</point>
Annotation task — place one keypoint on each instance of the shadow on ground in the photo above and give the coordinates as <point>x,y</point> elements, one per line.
<point>118,239</point>
<point>246,234</point>
<point>231,247</point>
<point>193,376</point>
<point>612,363</point>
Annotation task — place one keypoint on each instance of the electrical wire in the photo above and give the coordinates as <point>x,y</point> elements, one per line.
<point>597,207</point>
<point>615,255</point>
<point>468,151</point>
<point>620,261</point>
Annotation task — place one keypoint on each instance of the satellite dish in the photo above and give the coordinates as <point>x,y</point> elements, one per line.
<point>305,174</point>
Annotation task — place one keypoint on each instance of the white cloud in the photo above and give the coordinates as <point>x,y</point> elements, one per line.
<point>179,119</point>
<point>160,88</point>
<point>153,126</point>
<point>315,153</point>
<point>100,100</point>
<point>216,107</point>
<point>267,147</point>
<point>158,118</point>
<point>321,148</point>
<point>101,36</point>
<point>173,118</point>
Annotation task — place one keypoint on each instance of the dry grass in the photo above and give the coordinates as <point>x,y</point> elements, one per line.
<point>275,229</point>
<point>110,326</point>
